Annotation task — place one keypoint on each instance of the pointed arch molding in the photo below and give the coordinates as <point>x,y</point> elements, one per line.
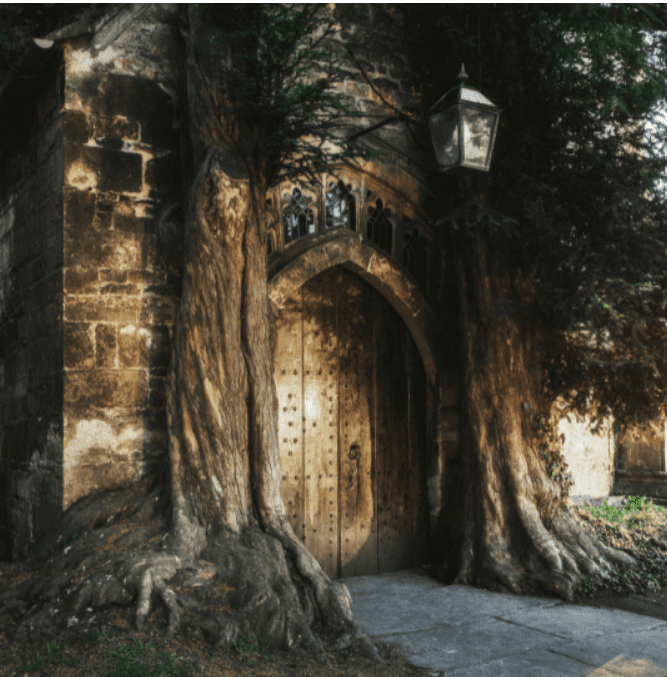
<point>348,250</point>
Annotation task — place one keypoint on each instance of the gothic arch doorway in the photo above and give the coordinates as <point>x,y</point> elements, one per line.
<point>351,389</point>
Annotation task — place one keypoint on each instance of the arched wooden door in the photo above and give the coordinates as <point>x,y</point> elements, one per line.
<point>351,392</point>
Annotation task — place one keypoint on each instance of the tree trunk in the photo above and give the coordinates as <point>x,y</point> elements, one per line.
<point>230,556</point>
<point>514,529</point>
<point>222,408</point>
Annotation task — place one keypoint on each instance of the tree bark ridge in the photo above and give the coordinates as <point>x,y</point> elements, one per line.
<point>517,532</point>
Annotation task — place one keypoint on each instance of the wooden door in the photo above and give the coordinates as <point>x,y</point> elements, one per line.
<point>351,392</point>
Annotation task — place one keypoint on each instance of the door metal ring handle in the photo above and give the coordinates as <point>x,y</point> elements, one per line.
<point>354,451</point>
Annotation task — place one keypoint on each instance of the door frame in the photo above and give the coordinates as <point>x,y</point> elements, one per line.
<point>442,381</point>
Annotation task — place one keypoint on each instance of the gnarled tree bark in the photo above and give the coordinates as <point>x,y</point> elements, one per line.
<point>516,530</point>
<point>229,560</point>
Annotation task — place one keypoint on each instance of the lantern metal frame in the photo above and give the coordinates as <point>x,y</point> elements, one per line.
<point>463,125</point>
<point>457,103</point>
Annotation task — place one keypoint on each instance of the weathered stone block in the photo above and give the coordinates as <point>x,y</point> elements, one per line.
<point>105,346</point>
<point>135,99</point>
<point>79,208</point>
<point>157,393</point>
<point>115,128</point>
<point>115,170</point>
<point>80,280</point>
<point>118,388</point>
<point>129,223</point>
<point>163,176</point>
<point>102,249</point>
<point>642,449</point>
<point>133,346</point>
<point>358,90</point>
<point>146,278</point>
<point>162,310</point>
<point>107,309</point>
<point>119,289</point>
<point>160,348</point>
<point>113,275</point>
<point>75,126</point>
<point>43,290</point>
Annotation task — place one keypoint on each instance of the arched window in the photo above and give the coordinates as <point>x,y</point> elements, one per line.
<point>378,227</point>
<point>340,206</point>
<point>298,217</point>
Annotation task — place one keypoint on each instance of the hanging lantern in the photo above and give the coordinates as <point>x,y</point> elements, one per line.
<point>463,126</point>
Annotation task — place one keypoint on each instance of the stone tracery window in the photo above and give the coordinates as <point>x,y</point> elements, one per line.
<point>416,256</point>
<point>347,202</point>
<point>378,227</point>
<point>340,206</point>
<point>298,217</point>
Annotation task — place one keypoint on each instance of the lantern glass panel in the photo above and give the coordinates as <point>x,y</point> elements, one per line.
<point>445,135</point>
<point>477,135</point>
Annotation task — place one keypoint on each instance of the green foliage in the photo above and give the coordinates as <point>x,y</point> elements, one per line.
<point>285,64</point>
<point>604,47</point>
<point>570,201</point>
<point>565,204</point>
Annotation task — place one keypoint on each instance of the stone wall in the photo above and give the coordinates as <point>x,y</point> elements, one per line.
<point>589,456</point>
<point>115,180</point>
<point>121,288</point>
<point>31,160</point>
<point>91,270</point>
<point>640,460</point>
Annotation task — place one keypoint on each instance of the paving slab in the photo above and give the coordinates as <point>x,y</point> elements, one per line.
<point>465,631</point>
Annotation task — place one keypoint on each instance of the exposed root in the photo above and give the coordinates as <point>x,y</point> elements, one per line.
<point>555,556</point>
<point>252,585</point>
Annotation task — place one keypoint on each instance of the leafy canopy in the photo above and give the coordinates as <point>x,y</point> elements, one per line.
<point>283,81</point>
<point>570,202</point>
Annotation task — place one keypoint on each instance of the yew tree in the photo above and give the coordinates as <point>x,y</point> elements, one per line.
<point>558,257</point>
<point>553,241</point>
<point>258,105</point>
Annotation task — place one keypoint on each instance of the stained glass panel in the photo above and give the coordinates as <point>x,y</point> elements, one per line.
<point>298,218</point>
<point>340,206</point>
<point>379,228</point>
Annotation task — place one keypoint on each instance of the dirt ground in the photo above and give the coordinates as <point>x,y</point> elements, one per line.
<point>95,659</point>
<point>79,651</point>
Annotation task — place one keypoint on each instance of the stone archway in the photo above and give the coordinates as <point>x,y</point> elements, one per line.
<point>349,251</point>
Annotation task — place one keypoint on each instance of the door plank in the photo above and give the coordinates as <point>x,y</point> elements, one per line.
<point>320,421</point>
<point>348,373</point>
<point>288,360</point>
<point>392,439</point>
<point>419,517</point>
<point>358,519</point>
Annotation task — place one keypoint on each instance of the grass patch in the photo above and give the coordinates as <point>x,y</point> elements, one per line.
<point>127,658</point>
<point>636,511</point>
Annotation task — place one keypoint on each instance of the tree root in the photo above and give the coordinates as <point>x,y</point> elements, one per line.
<point>254,585</point>
<point>556,555</point>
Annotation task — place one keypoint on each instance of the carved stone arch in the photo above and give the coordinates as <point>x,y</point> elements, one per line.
<point>295,198</point>
<point>380,220</point>
<point>352,187</point>
<point>348,250</point>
